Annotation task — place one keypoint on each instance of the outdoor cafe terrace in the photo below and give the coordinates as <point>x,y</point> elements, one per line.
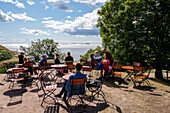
<point>134,94</point>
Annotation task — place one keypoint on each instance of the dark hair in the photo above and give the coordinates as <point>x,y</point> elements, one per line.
<point>57,54</point>
<point>91,55</point>
<point>78,66</point>
<point>68,53</point>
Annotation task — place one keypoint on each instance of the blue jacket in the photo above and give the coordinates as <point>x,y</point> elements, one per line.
<point>77,75</point>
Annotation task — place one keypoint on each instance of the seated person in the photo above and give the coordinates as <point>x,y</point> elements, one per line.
<point>100,67</point>
<point>66,89</point>
<point>69,57</point>
<point>57,60</point>
<point>97,56</point>
<point>30,68</point>
<point>42,62</point>
<point>92,60</point>
<point>106,64</point>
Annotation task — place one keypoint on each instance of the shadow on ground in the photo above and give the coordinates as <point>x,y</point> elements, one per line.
<point>15,93</point>
<point>99,107</point>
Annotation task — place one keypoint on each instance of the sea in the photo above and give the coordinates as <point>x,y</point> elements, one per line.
<point>76,49</point>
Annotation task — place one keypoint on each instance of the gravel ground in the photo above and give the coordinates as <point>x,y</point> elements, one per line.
<point>120,99</point>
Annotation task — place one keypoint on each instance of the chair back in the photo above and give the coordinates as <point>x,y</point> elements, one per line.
<point>19,70</point>
<point>116,67</point>
<point>69,62</point>
<point>78,81</point>
<point>136,64</point>
<point>28,65</point>
<point>138,68</point>
<point>87,68</point>
<point>78,86</point>
<point>94,62</point>
<point>70,66</point>
<point>83,60</point>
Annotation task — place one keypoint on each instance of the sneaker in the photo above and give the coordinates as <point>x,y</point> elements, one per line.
<point>58,95</point>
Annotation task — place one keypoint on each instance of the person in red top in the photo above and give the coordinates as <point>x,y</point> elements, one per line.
<point>108,56</point>
<point>106,64</point>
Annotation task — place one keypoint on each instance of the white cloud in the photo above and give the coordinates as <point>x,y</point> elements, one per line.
<point>68,16</point>
<point>33,31</point>
<point>22,16</point>
<point>47,18</point>
<point>30,2</point>
<point>18,4</point>
<point>79,10</point>
<point>44,3</point>
<point>66,1</point>
<point>4,17</point>
<point>93,2</point>
<point>82,26</point>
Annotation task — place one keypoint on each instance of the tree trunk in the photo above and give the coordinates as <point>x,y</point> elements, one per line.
<point>158,72</point>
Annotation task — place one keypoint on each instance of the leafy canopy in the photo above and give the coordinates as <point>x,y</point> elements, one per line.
<point>136,30</point>
<point>45,46</point>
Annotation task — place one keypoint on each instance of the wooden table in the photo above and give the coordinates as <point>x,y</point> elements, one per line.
<point>10,70</point>
<point>18,65</point>
<point>59,66</point>
<point>67,75</point>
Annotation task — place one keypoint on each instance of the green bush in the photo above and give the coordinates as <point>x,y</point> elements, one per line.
<point>3,69</point>
<point>5,54</point>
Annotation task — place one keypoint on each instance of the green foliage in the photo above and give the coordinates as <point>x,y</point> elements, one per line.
<point>3,69</point>
<point>87,55</point>
<point>45,46</point>
<point>5,54</point>
<point>136,30</point>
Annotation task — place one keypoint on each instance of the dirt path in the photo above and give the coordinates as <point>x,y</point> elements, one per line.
<point>120,99</point>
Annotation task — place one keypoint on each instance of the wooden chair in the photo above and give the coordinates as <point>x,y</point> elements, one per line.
<point>48,86</point>
<point>87,69</point>
<point>70,68</point>
<point>116,70</point>
<point>16,73</point>
<point>77,91</point>
<point>95,87</point>
<point>141,78</point>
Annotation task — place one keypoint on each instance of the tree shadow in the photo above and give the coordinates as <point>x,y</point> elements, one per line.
<point>164,82</point>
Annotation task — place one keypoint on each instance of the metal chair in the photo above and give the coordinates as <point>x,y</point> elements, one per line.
<point>77,92</point>
<point>17,75</point>
<point>95,87</point>
<point>48,86</point>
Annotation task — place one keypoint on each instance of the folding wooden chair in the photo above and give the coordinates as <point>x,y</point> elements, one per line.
<point>17,72</point>
<point>141,78</point>
<point>116,70</point>
<point>48,86</point>
<point>87,69</point>
<point>77,91</point>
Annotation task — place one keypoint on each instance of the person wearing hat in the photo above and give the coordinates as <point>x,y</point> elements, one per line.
<point>43,61</point>
<point>21,58</point>
<point>97,56</point>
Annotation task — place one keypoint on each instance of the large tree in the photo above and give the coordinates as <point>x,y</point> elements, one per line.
<point>137,30</point>
<point>45,46</point>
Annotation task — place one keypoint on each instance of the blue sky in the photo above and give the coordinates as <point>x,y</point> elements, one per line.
<point>65,21</point>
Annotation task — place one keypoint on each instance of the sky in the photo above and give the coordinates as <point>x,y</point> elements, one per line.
<point>65,21</point>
